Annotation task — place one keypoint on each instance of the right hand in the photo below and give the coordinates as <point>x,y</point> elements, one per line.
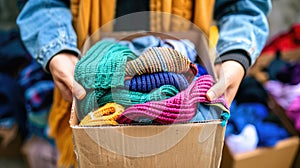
<point>62,68</point>
<point>230,74</point>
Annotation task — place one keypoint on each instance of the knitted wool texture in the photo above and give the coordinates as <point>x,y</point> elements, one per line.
<point>177,109</point>
<point>105,115</point>
<point>101,72</point>
<point>148,82</point>
<point>102,68</point>
<point>161,59</point>
<point>123,97</point>
<point>129,98</point>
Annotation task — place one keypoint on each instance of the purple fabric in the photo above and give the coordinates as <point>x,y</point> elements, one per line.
<point>293,112</point>
<point>283,93</point>
<point>177,109</point>
<point>290,74</point>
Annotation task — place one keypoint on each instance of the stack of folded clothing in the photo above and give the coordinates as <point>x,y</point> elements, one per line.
<point>160,86</point>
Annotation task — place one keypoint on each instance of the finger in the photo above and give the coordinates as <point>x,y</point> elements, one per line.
<point>78,91</point>
<point>75,88</point>
<point>216,90</point>
<point>64,90</point>
<point>229,95</point>
<point>231,92</point>
<point>217,69</point>
<point>75,60</point>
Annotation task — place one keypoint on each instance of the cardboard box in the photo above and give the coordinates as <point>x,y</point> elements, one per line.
<point>151,146</point>
<point>280,156</point>
<point>173,146</point>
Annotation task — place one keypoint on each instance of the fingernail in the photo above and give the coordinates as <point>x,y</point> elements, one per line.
<point>80,94</point>
<point>210,95</point>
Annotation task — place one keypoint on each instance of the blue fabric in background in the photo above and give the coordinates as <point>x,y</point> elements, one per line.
<point>251,90</point>
<point>32,74</point>
<point>270,133</point>
<point>12,108</point>
<point>256,114</point>
<point>247,113</point>
<point>13,54</point>
<point>38,89</point>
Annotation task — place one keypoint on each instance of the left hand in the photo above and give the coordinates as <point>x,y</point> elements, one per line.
<point>230,75</point>
<point>62,68</point>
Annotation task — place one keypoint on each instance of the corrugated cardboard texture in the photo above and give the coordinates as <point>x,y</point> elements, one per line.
<point>176,146</point>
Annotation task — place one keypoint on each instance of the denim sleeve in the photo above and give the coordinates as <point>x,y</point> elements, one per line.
<point>46,29</point>
<point>243,26</point>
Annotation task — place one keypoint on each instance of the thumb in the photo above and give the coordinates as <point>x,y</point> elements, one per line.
<point>216,91</point>
<point>78,91</point>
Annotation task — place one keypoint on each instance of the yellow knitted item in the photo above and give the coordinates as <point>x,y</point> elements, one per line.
<point>105,115</point>
<point>98,122</point>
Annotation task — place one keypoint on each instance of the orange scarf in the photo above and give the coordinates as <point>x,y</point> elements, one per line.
<point>198,11</point>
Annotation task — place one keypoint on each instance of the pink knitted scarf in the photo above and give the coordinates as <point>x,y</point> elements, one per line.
<point>177,109</point>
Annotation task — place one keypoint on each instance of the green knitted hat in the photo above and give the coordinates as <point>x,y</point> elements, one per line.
<point>103,66</point>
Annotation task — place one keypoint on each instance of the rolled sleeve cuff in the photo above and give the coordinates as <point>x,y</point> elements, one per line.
<point>47,52</point>
<point>239,56</point>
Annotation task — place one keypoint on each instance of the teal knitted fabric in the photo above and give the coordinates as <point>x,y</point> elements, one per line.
<point>129,98</point>
<point>86,105</point>
<point>103,66</point>
<point>123,97</point>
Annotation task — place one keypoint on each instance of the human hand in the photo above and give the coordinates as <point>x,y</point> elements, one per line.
<point>230,75</point>
<point>62,68</point>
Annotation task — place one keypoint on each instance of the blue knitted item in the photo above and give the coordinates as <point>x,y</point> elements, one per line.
<point>148,82</point>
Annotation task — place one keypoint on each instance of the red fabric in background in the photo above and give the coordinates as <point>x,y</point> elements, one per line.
<point>285,41</point>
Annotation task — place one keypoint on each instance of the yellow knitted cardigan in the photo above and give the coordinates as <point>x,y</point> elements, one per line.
<point>88,16</point>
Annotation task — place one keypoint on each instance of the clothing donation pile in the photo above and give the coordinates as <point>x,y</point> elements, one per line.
<point>148,83</point>
<point>252,123</point>
<point>285,89</point>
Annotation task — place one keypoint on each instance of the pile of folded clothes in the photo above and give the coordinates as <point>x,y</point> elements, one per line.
<point>159,85</point>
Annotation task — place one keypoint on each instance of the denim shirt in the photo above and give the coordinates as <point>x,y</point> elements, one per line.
<point>48,30</point>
